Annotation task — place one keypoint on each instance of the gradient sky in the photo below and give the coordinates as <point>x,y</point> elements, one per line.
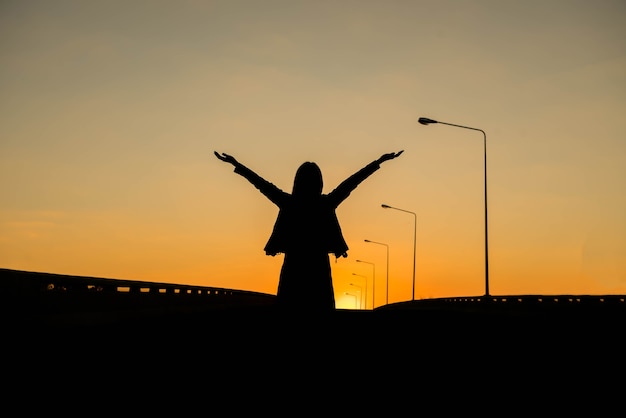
<point>110,112</point>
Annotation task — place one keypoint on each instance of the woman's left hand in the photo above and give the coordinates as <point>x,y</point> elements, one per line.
<point>390,156</point>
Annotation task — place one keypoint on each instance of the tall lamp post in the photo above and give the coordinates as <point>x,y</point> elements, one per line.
<point>373,280</point>
<point>414,241</point>
<point>387,278</point>
<point>427,121</point>
<point>365,277</point>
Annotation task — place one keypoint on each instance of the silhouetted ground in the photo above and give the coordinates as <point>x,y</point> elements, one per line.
<point>388,330</point>
<point>228,357</point>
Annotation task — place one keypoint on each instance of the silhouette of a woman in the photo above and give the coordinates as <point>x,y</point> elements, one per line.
<point>306,231</point>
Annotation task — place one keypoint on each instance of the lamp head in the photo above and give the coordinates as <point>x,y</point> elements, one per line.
<point>385,206</point>
<point>426,121</point>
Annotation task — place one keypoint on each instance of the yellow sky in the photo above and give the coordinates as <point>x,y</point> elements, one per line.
<point>110,113</point>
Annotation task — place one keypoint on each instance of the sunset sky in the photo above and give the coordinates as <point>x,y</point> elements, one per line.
<point>110,112</point>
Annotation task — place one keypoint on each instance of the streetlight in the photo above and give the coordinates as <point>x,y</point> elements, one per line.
<point>350,294</point>
<point>414,241</point>
<point>427,121</point>
<point>360,293</point>
<point>387,290</point>
<point>373,280</point>
<point>365,277</point>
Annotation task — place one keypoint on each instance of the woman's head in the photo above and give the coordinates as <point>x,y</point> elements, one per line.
<point>308,180</point>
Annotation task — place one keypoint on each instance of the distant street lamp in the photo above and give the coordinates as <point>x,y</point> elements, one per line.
<point>360,293</point>
<point>427,121</point>
<point>414,241</point>
<point>365,297</point>
<point>350,294</point>
<point>387,278</point>
<point>373,281</point>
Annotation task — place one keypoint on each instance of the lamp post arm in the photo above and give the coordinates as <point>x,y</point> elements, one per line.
<point>402,210</point>
<point>462,126</point>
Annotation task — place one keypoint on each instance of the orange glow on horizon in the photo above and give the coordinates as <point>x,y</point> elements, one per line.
<point>107,165</point>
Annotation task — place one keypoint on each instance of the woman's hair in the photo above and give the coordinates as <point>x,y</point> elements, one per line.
<point>308,180</point>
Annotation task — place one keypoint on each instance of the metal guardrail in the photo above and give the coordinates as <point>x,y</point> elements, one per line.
<point>536,299</point>
<point>17,281</point>
<point>613,305</point>
<point>34,294</point>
